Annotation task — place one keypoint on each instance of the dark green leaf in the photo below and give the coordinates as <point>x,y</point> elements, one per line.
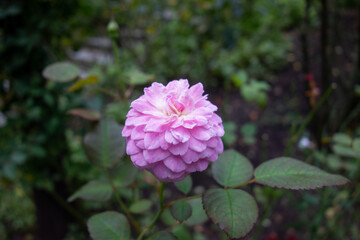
<point>140,206</point>
<point>233,210</point>
<point>162,236</point>
<point>109,225</point>
<point>61,72</point>
<point>181,210</point>
<point>104,146</point>
<point>96,190</point>
<point>198,214</point>
<point>124,174</point>
<point>232,169</point>
<point>290,173</point>
<point>184,185</point>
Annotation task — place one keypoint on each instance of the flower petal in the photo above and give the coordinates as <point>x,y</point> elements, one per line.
<point>175,164</point>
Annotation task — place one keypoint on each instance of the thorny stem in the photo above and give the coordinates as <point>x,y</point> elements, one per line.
<point>122,204</point>
<point>162,208</point>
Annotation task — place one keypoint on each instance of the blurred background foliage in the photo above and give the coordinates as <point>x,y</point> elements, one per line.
<point>240,50</point>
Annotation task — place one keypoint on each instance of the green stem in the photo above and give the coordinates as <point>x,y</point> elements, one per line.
<point>118,62</point>
<point>123,207</point>
<point>157,216</point>
<point>307,120</point>
<point>244,184</point>
<point>182,199</point>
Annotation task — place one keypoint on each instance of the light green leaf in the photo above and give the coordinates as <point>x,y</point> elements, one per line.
<point>233,210</point>
<point>181,210</point>
<point>88,114</point>
<point>61,72</point>
<point>356,145</point>
<point>231,169</point>
<point>184,185</point>
<point>342,138</point>
<point>162,236</point>
<point>96,190</point>
<point>140,206</point>
<point>345,151</point>
<point>181,232</point>
<point>109,225</point>
<point>230,137</point>
<point>289,173</point>
<point>104,146</point>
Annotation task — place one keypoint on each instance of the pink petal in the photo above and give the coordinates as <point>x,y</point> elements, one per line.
<point>152,140</point>
<point>196,91</point>
<point>179,149</point>
<point>136,121</point>
<point>141,105</point>
<point>220,147</point>
<point>156,155</point>
<point>131,148</point>
<point>175,164</point>
<point>213,158</point>
<point>213,142</point>
<point>181,134</point>
<point>170,138</point>
<point>196,145</point>
<point>126,132</point>
<point>140,144</point>
<point>156,125</point>
<point>190,156</point>
<point>201,165</point>
<point>138,160</point>
<point>201,133</point>
<point>138,133</point>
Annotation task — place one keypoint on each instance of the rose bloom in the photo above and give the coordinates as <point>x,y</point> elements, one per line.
<point>173,130</point>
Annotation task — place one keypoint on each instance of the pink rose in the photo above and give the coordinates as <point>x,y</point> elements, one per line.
<point>173,130</point>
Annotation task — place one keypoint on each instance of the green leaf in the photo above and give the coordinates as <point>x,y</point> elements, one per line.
<point>104,146</point>
<point>87,114</point>
<point>344,151</point>
<point>290,173</point>
<point>231,169</point>
<point>342,138</point>
<point>198,214</point>
<point>230,137</point>
<point>136,77</point>
<point>96,190</point>
<point>117,111</point>
<point>83,82</point>
<point>124,174</point>
<point>181,210</point>
<point>61,72</point>
<point>181,232</point>
<point>184,185</point>
<point>162,236</point>
<point>140,206</point>
<point>356,145</point>
<point>233,210</point>
<point>248,130</point>
<point>109,225</point>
